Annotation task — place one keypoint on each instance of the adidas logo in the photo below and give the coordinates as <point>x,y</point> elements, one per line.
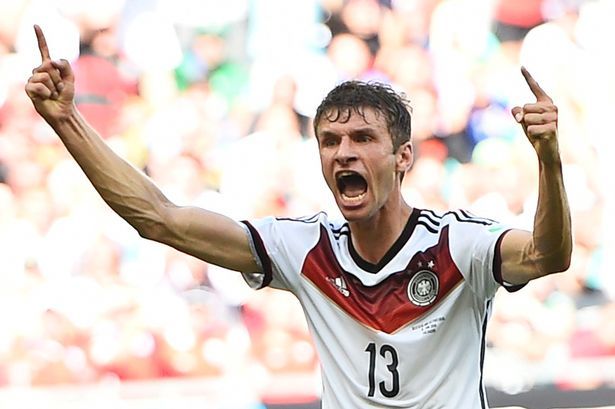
<point>340,285</point>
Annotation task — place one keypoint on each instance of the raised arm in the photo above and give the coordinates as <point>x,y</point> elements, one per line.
<point>131,194</point>
<point>548,248</point>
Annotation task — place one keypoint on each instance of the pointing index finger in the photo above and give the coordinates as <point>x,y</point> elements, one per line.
<point>42,43</point>
<point>536,89</point>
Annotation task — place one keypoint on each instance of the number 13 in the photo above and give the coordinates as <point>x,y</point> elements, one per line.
<point>387,352</point>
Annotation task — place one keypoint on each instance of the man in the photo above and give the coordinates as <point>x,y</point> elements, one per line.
<point>397,298</point>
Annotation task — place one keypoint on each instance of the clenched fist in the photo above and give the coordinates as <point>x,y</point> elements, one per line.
<point>52,84</point>
<point>539,121</point>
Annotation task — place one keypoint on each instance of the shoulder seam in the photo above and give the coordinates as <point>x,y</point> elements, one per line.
<point>307,219</point>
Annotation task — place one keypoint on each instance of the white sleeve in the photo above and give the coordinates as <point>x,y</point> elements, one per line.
<point>279,247</point>
<point>475,248</point>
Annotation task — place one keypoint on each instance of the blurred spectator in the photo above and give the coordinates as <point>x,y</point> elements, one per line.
<point>101,85</point>
<point>513,19</point>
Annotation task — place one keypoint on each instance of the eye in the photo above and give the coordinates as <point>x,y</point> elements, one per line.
<point>362,138</point>
<point>328,142</point>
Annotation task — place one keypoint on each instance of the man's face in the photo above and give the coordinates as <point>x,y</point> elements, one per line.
<point>358,162</point>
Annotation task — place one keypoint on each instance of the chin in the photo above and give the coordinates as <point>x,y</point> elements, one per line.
<point>354,215</point>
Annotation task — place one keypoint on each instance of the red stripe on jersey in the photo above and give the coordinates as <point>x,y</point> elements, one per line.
<point>386,306</point>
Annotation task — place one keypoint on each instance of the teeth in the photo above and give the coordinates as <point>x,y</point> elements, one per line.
<point>345,173</point>
<point>353,198</point>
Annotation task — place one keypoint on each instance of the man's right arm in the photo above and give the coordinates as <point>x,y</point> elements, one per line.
<point>206,235</point>
<point>209,236</point>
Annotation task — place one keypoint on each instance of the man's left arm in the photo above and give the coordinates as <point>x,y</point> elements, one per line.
<point>547,249</point>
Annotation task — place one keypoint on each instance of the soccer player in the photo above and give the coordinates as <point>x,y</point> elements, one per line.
<point>397,298</point>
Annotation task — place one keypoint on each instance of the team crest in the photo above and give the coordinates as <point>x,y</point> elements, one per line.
<point>423,288</point>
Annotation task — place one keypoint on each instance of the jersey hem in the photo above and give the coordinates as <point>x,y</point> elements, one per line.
<point>497,266</point>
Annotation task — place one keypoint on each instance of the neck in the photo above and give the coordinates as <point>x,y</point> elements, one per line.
<point>373,237</point>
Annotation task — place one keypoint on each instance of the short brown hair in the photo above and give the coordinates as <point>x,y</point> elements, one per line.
<point>355,96</point>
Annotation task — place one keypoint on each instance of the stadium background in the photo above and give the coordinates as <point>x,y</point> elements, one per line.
<point>214,101</point>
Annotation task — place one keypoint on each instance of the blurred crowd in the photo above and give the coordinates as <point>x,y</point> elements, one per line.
<point>214,101</point>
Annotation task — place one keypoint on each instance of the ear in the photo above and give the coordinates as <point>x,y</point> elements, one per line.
<point>404,157</point>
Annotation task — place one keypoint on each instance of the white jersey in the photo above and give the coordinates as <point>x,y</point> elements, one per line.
<point>408,332</point>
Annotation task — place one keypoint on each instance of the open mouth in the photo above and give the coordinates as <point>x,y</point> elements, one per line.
<point>351,185</point>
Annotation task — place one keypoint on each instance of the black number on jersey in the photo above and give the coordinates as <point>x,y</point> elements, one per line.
<point>389,354</point>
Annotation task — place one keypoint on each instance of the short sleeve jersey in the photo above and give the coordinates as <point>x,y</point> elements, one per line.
<point>408,332</point>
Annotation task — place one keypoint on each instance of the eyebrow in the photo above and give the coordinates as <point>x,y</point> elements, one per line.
<point>362,130</point>
<point>326,134</point>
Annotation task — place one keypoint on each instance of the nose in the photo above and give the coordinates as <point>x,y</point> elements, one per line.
<point>345,153</point>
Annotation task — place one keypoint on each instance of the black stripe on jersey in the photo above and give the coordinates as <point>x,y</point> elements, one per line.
<point>427,226</point>
<point>392,252</point>
<point>431,215</point>
<point>474,217</point>
<point>481,389</point>
<point>261,253</point>
<point>340,234</point>
<point>306,219</point>
<point>427,219</point>
<point>342,229</point>
<point>465,219</point>
<point>429,223</point>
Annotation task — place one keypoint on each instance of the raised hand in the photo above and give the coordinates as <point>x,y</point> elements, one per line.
<point>52,84</point>
<point>539,121</point>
